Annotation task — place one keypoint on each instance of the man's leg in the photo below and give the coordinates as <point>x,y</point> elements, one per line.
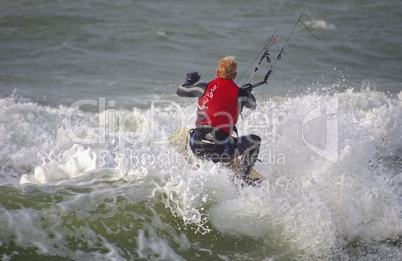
<point>248,147</point>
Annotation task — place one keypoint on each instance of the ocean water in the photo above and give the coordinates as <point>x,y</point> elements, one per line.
<point>87,103</point>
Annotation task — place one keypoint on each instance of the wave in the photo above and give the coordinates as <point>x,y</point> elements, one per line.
<point>321,25</point>
<point>332,164</point>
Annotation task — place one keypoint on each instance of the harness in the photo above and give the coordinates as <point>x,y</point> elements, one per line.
<point>212,143</point>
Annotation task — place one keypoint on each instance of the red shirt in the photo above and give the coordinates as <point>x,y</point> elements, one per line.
<point>218,106</point>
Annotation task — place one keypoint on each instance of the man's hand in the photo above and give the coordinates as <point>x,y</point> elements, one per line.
<point>247,86</point>
<point>193,77</point>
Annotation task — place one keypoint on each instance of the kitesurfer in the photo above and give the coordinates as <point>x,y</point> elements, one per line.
<point>220,102</point>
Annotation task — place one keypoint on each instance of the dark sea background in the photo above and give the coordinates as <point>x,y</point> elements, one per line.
<point>88,101</point>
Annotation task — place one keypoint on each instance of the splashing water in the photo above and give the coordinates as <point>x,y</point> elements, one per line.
<point>309,206</point>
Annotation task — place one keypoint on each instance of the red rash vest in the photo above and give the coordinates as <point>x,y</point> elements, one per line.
<point>218,106</point>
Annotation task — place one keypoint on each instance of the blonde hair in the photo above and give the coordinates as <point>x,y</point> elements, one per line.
<point>227,67</point>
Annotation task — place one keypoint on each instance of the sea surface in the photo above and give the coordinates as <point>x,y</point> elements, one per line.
<point>88,101</point>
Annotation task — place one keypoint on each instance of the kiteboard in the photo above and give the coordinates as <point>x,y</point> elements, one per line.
<point>179,141</point>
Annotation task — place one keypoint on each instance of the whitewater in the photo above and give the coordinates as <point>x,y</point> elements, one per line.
<point>80,201</point>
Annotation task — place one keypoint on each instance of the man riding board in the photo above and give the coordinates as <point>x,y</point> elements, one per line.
<point>220,102</point>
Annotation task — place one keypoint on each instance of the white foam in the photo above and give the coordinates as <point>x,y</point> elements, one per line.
<point>73,163</point>
<point>311,205</point>
<point>320,24</point>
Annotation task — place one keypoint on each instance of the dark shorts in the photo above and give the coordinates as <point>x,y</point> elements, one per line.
<point>216,145</point>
